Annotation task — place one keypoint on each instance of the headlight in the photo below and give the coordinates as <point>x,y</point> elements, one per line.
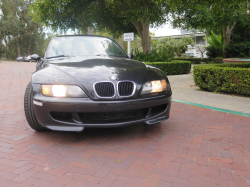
<point>63,91</point>
<point>154,86</point>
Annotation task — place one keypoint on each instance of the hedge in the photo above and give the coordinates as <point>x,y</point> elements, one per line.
<point>231,78</point>
<point>172,68</point>
<point>199,60</point>
<point>213,52</point>
<point>238,49</point>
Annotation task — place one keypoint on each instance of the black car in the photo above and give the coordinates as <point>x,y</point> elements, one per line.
<point>89,81</point>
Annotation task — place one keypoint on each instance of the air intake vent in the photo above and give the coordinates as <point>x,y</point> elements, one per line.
<point>126,89</point>
<point>104,89</point>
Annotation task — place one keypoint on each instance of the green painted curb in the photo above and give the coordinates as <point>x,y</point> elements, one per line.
<point>213,108</point>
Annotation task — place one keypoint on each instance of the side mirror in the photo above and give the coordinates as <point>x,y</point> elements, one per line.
<point>35,57</point>
<point>131,56</point>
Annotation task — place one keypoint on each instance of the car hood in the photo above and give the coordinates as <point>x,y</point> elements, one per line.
<point>85,71</point>
<point>91,70</point>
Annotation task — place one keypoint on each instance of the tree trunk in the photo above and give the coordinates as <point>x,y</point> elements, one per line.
<point>143,30</point>
<point>28,49</point>
<point>227,31</point>
<point>1,49</point>
<point>90,31</point>
<point>6,47</point>
<point>121,40</point>
<point>1,46</point>
<point>18,47</point>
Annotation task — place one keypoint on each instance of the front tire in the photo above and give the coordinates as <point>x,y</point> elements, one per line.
<point>29,110</point>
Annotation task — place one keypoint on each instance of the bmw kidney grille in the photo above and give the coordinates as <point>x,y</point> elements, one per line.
<point>105,89</point>
<point>126,89</point>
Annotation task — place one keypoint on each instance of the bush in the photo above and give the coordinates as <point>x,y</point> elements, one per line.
<point>217,60</point>
<point>192,60</point>
<point>200,60</point>
<point>172,68</point>
<point>213,52</point>
<point>215,47</point>
<point>163,50</point>
<point>173,46</point>
<point>231,78</point>
<point>238,50</point>
<point>155,56</point>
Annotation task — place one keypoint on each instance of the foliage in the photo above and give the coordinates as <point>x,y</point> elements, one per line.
<point>229,78</point>
<point>241,31</point>
<point>206,16</point>
<point>171,45</point>
<point>215,40</point>
<point>203,60</point>
<point>163,50</point>
<point>155,56</point>
<point>115,16</point>
<point>184,55</point>
<point>215,47</point>
<point>172,68</point>
<point>19,35</point>
<point>211,17</point>
<point>213,52</point>
<point>238,49</point>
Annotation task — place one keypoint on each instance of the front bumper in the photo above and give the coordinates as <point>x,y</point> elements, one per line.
<point>75,107</point>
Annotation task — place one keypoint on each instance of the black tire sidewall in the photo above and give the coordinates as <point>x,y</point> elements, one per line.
<point>29,110</point>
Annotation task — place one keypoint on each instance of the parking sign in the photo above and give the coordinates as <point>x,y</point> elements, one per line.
<point>129,36</point>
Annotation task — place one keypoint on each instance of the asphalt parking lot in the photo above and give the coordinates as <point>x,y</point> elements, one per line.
<point>195,147</point>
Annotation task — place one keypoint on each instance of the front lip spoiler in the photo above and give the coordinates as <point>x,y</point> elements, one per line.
<point>76,128</point>
<point>44,99</point>
<point>66,128</point>
<point>158,120</point>
<point>149,121</point>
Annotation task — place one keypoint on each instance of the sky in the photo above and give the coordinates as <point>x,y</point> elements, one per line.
<point>165,30</point>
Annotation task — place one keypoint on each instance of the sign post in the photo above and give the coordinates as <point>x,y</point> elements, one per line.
<point>129,37</point>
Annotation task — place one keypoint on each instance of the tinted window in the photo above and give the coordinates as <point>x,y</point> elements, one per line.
<point>83,45</point>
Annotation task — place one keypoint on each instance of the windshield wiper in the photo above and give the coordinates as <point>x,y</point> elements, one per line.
<point>100,55</point>
<point>117,56</point>
<point>110,55</point>
<point>58,56</point>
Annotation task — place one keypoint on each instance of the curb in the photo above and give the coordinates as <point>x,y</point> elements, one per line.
<point>213,108</point>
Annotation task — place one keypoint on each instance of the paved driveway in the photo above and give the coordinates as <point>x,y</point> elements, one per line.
<point>195,147</point>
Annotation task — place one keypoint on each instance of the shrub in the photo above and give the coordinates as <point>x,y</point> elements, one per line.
<point>217,60</point>
<point>200,60</point>
<point>238,50</point>
<point>175,46</point>
<point>229,78</point>
<point>163,50</point>
<point>172,68</point>
<point>215,47</point>
<point>213,52</point>
<point>155,56</point>
<point>192,60</point>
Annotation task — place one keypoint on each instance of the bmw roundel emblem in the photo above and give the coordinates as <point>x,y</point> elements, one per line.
<point>114,78</point>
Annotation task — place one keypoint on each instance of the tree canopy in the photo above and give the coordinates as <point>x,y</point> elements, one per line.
<point>18,33</point>
<point>115,16</point>
<point>213,17</point>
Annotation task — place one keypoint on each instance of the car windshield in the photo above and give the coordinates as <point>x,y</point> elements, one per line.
<point>83,45</point>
